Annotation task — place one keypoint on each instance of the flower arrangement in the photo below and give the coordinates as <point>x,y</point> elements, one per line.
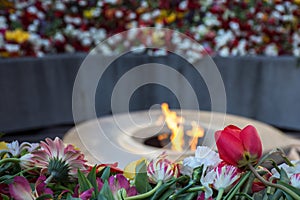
<point>53,170</point>
<point>248,27</point>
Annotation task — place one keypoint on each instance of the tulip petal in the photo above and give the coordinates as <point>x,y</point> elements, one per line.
<point>20,189</point>
<point>251,141</point>
<point>122,182</point>
<point>229,146</point>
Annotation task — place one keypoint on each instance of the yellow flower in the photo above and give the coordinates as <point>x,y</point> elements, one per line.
<point>88,13</point>
<point>3,146</point>
<point>171,18</point>
<point>130,169</point>
<point>17,35</point>
<point>297,2</point>
<point>158,38</point>
<point>266,38</point>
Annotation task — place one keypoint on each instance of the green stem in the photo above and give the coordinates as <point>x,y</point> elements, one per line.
<point>248,185</point>
<point>5,160</point>
<point>182,190</point>
<point>48,180</point>
<point>231,194</point>
<point>220,193</point>
<point>145,195</point>
<point>196,189</point>
<point>267,183</point>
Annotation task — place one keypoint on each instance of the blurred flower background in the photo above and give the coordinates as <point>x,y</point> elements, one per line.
<point>227,28</point>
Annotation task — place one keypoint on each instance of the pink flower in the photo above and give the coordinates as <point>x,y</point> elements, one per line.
<point>56,159</point>
<point>161,169</point>
<point>226,176</point>
<point>119,182</point>
<point>20,189</point>
<point>85,195</point>
<point>221,177</point>
<point>239,147</point>
<point>295,180</point>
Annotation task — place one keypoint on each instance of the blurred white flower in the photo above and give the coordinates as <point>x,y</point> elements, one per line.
<point>224,52</point>
<point>138,49</point>
<point>60,6</point>
<point>241,48</point>
<point>69,48</point>
<point>59,37</point>
<point>146,17</point>
<point>279,7</point>
<point>203,156</point>
<point>234,26</point>
<point>290,170</point>
<point>156,13</point>
<point>12,47</point>
<point>12,17</point>
<point>86,42</point>
<point>206,181</point>
<point>223,37</point>
<point>211,20</point>
<point>82,3</point>
<point>202,30</point>
<point>26,161</point>
<point>183,5</point>
<point>119,14</point>
<point>271,50</point>
<point>111,1</point>
<point>41,15</point>
<point>32,9</point>
<point>32,28</point>
<point>77,20</point>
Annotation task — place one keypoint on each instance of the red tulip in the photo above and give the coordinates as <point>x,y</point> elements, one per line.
<point>239,147</point>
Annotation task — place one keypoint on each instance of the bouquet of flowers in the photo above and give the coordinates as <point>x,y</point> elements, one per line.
<point>53,170</point>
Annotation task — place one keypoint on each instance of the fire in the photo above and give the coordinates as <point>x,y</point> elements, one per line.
<point>175,124</point>
<point>195,133</point>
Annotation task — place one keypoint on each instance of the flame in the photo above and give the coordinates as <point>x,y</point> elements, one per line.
<point>175,124</point>
<point>195,133</point>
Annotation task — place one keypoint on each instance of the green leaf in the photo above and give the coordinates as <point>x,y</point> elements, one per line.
<point>259,195</point>
<point>84,183</point>
<point>163,188</point>
<point>4,197</point>
<point>106,173</point>
<point>283,176</point>
<point>165,195</point>
<point>297,191</point>
<point>105,193</point>
<point>187,196</point>
<point>277,195</point>
<point>141,180</point>
<point>7,179</point>
<point>101,197</point>
<point>44,196</point>
<point>69,197</point>
<point>92,178</point>
<point>247,196</point>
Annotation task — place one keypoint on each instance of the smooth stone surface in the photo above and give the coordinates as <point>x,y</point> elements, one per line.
<point>110,139</point>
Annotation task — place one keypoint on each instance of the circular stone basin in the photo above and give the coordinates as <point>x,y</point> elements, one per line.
<point>116,139</point>
<point>161,139</point>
